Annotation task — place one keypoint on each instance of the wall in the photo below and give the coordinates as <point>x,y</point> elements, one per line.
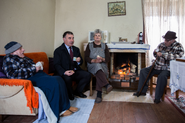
<point>30,22</point>
<point>39,24</point>
<point>82,16</point>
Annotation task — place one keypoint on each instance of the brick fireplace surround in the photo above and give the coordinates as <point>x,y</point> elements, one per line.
<point>140,50</point>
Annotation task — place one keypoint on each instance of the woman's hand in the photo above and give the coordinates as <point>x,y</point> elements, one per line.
<point>98,60</point>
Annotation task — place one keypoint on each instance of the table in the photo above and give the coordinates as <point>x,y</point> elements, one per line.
<point>177,76</point>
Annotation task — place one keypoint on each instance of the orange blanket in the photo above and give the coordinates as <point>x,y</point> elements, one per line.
<point>30,93</point>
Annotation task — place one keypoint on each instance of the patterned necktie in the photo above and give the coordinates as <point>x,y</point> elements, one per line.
<point>71,53</point>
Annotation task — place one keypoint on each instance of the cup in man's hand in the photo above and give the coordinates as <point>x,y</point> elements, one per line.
<point>74,58</point>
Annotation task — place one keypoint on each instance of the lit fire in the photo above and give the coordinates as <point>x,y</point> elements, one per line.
<point>124,71</point>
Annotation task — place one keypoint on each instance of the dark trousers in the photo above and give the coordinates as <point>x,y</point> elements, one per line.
<point>161,80</point>
<point>101,80</point>
<point>81,77</point>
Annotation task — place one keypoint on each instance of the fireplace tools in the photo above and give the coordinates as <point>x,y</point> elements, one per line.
<point>147,77</point>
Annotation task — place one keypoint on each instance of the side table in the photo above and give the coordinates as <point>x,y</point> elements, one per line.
<point>177,76</point>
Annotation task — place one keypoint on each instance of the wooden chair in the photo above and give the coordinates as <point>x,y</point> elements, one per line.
<point>74,85</point>
<point>91,86</point>
<point>91,92</point>
<point>165,90</point>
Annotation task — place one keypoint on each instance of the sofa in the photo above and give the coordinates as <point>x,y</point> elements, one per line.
<point>17,96</point>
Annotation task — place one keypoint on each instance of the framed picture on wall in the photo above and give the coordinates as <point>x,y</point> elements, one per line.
<point>117,8</point>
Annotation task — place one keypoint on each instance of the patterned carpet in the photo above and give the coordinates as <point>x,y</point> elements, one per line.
<point>178,103</point>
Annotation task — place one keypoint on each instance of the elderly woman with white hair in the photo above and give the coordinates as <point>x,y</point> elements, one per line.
<point>97,56</point>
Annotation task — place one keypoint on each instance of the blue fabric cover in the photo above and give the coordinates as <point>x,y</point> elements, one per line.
<point>54,89</point>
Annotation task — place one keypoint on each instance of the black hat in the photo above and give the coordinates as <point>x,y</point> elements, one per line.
<point>11,47</point>
<point>170,35</point>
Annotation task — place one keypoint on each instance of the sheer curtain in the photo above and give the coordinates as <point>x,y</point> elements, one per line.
<point>159,17</point>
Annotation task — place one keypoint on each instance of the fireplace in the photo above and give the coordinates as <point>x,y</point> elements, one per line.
<point>125,65</point>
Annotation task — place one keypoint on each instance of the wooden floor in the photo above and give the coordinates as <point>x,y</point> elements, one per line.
<point>123,112</point>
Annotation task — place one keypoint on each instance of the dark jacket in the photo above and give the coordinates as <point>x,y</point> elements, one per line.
<point>62,59</point>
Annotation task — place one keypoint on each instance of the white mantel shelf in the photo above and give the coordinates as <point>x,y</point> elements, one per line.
<point>130,48</point>
<point>126,48</point>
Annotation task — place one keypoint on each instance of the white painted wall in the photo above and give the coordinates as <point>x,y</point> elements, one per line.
<point>39,24</point>
<point>30,22</point>
<point>82,16</point>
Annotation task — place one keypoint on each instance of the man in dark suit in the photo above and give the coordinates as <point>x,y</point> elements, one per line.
<point>67,61</point>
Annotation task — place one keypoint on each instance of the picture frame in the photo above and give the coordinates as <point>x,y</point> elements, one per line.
<point>117,8</point>
<point>122,39</point>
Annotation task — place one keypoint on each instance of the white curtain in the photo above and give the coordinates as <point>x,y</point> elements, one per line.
<point>159,17</point>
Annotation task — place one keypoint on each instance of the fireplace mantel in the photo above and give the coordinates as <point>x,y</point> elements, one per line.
<point>129,48</point>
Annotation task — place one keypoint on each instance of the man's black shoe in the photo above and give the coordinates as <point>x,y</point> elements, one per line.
<point>156,101</point>
<point>81,95</point>
<point>71,97</point>
<point>137,94</point>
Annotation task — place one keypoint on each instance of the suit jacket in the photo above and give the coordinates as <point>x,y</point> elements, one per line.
<point>62,59</point>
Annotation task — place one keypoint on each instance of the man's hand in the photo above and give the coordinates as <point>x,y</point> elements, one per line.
<point>38,68</point>
<point>159,54</point>
<point>69,72</point>
<point>78,59</point>
<point>42,63</point>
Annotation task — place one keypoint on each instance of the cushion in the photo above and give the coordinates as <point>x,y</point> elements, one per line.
<point>1,63</point>
<point>2,74</point>
<point>51,65</point>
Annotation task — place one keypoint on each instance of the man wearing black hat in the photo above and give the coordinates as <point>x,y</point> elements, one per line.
<point>166,51</point>
<point>18,66</point>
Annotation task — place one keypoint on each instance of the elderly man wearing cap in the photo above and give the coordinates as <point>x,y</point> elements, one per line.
<point>166,51</point>
<point>18,66</point>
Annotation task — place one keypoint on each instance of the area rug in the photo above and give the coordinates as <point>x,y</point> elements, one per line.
<point>118,95</point>
<point>179,103</point>
<point>85,107</point>
<point>82,116</point>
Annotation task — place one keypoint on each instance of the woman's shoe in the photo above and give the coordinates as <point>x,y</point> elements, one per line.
<point>98,100</point>
<point>109,88</point>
